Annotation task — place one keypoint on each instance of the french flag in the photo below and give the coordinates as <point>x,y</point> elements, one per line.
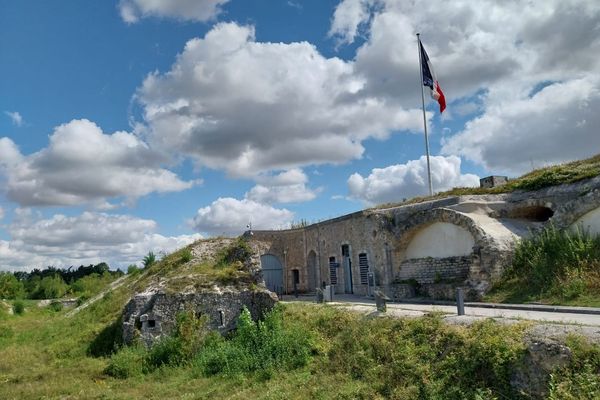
<point>430,80</point>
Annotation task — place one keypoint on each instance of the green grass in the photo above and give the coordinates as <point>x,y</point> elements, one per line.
<point>540,178</point>
<point>345,356</point>
<point>554,267</point>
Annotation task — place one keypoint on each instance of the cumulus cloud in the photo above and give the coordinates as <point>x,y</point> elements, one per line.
<point>557,124</point>
<point>88,238</point>
<point>83,165</point>
<point>15,117</point>
<point>230,216</point>
<point>396,182</point>
<point>505,51</point>
<point>186,10</point>
<point>248,107</point>
<point>285,187</point>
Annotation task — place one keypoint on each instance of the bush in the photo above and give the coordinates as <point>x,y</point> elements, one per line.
<point>56,306</point>
<point>18,307</point>
<point>10,287</point>
<point>186,255</point>
<point>127,363</point>
<point>264,347</point>
<point>51,287</point>
<point>133,270</point>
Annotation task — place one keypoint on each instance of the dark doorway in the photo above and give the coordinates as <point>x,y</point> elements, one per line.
<point>347,263</point>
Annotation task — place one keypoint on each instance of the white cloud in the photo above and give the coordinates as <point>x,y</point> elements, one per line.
<point>286,187</point>
<point>396,182</point>
<point>1,213</point>
<point>82,165</point>
<point>230,216</point>
<point>186,10</point>
<point>88,238</point>
<point>247,107</point>
<point>498,51</point>
<point>15,117</point>
<point>558,124</point>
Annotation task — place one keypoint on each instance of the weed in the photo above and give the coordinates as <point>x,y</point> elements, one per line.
<point>56,306</point>
<point>18,307</point>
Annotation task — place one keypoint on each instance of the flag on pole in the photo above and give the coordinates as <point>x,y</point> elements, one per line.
<point>430,80</point>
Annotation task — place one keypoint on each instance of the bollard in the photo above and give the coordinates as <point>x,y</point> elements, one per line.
<point>381,301</point>
<point>460,301</point>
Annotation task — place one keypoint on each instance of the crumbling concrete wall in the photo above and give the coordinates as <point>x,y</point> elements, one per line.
<point>150,316</point>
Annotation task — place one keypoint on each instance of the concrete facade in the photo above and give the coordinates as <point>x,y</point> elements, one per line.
<point>437,245</point>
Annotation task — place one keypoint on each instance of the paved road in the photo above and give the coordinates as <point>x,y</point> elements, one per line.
<point>366,305</point>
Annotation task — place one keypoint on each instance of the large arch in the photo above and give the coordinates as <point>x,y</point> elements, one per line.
<point>440,240</point>
<point>272,271</point>
<point>589,222</point>
<point>440,245</point>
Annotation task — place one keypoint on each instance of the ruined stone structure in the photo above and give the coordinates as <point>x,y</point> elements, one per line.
<point>152,315</point>
<point>428,248</point>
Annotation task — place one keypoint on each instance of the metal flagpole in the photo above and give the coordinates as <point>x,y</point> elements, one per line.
<point>424,118</point>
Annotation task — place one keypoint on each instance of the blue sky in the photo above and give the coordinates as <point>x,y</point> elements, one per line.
<point>137,125</point>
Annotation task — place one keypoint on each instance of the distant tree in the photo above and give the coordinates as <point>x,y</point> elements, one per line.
<point>133,269</point>
<point>10,286</point>
<point>52,287</point>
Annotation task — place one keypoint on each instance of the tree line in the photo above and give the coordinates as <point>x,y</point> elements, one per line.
<point>53,283</point>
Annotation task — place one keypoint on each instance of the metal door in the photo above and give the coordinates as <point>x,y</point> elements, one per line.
<point>272,272</point>
<point>347,263</point>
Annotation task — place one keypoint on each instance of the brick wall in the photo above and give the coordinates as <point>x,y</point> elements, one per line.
<point>430,270</point>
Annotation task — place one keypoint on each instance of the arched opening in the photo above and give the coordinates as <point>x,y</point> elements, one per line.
<point>532,213</point>
<point>589,222</point>
<point>272,272</point>
<point>439,253</point>
<point>311,270</point>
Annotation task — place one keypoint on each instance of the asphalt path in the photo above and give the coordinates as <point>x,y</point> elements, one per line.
<point>535,313</point>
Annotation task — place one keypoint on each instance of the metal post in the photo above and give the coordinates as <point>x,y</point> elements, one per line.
<point>460,301</point>
<point>424,118</point>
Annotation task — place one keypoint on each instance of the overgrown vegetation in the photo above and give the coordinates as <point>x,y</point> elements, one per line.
<point>260,348</point>
<point>305,351</point>
<point>534,180</point>
<point>555,266</point>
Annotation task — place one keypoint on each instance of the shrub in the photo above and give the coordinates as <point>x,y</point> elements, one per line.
<point>133,270</point>
<point>18,307</point>
<point>10,286</point>
<point>186,255</point>
<point>127,363</point>
<point>56,306</point>
<point>51,287</point>
<point>260,347</point>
